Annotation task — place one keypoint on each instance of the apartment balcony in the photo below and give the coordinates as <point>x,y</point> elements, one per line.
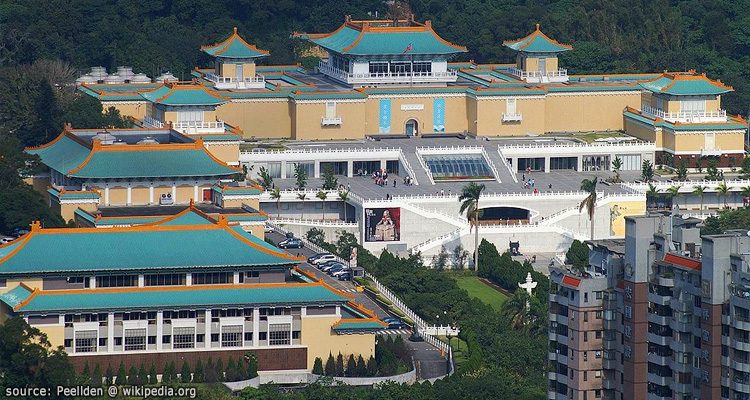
<point>681,325</point>
<point>660,340</point>
<point>561,75</point>
<point>680,347</point>
<point>740,344</point>
<point>686,116</point>
<point>659,299</point>
<point>678,387</point>
<point>659,380</point>
<point>740,365</point>
<point>741,323</point>
<point>666,281</point>
<point>739,385</point>
<point>659,319</point>
<point>387,78</point>
<point>330,121</point>
<point>229,82</point>
<point>659,359</point>
<point>197,127</point>
<point>655,396</point>
<point>152,122</point>
<point>515,117</point>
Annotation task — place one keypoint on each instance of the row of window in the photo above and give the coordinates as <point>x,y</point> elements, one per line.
<point>198,278</point>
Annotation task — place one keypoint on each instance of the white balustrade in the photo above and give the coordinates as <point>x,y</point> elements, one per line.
<point>686,116</point>
<point>407,166</point>
<point>328,121</point>
<point>230,82</point>
<point>387,77</point>
<point>507,165</point>
<point>561,75</point>
<point>152,122</point>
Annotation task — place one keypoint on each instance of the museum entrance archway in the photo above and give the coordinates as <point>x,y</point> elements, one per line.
<point>412,127</point>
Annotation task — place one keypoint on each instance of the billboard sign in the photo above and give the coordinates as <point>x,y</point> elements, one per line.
<point>382,224</point>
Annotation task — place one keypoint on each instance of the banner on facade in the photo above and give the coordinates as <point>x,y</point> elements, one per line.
<point>382,224</point>
<point>438,115</point>
<point>385,116</point>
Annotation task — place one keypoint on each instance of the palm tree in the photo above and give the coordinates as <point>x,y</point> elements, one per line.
<point>302,196</point>
<point>723,190</point>
<point>323,196</point>
<point>674,192</point>
<point>276,195</point>
<point>589,186</point>
<point>616,168</point>
<point>469,199</point>
<point>516,309</point>
<point>344,196</point>
<point>700,191</point>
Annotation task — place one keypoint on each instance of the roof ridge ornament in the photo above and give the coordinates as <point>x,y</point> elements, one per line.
<point>35,225</point>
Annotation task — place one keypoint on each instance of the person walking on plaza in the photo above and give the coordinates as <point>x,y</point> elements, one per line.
<point>394,182</point>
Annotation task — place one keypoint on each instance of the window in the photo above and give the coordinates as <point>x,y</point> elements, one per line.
<point>184,338</point>
<point>585,376</point>
<point>296,334</point>
<point>212,278</point>
<point>116,281</point>
<point>586,297</point>
<point>585,336</point>
<point>692,106</point>
<point>200,338</point>
<point>598,295</point>
<point>248,336</point>
<point>166,339</point>
<point>598,334</point>
<point>102,342</point>
<point>231,336</point>
<point>585,316</point>
<point>164,280</point>
<point>86,341</point>
<point>68,343</point>
<point>279,334</point>
<point>598,354</point>
<point>190,116</point>
<point>422,67</point>
<point>262,335</point>
<point>585,356</point>
<point>214,337</point>
<point>118,341</point>
<point>330,109</point>
<point>598,315</point>
<point>598,393</point>
<point>135,339</point>
<point>378,67</point>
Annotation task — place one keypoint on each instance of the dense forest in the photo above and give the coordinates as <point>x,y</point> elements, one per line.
<point>612,36</point>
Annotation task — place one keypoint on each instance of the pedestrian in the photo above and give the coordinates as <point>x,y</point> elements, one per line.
<point>523,177</point>
<point>348,187</point>
<point>394,182</point>
<point>442,192</point>
<point>550,186</point>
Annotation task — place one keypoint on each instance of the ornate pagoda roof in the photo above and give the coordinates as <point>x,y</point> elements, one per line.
<point>234,47</point>
<point>537,42</point>
<point>686,84</point>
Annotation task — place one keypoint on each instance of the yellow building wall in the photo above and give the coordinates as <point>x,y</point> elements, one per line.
<point>39,183</point>
<point>624,209</point>
<point>232,203</point>
<point>730,141</point>
<point>228,69</point>
<point>489,117</point>
<point>118,195</point>
<point>34,283</point>
<point>532,64</point>
<point>170,116</point>
<point>260,119</point>
<point>185,193</point>
<point>307,121</point>
<point>552,64</point>
<point>256,230</point>
<point>668,139</point>
<point>587,112</point>
<point>642,131</point>
<point>139,195</point>
<point>713,104</point>
<point>67,211</point>
<point>321,341</point>
<point>135,109</point>
<point>55,334</point>
<point>229,153</point>
<point>455,114</point>
<point>248,70</point>
<point>158,191</point>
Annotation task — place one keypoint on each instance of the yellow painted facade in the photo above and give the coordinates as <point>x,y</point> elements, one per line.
<point>256,230</point>
<point>55,334</point>
<point>320,340</point>
<point>67,210</point>
<point>228,153</point>
<point>264,118</point>
<point>307,121</point>
<point>623,209</point>
<point>34,283</point>
<point>588,111</point>
<point>135,109</point>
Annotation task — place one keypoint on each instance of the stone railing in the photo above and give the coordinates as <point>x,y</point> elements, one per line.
<point>688,186</point>
<point>314,222</point>
<point>449,149</point>
<point>452,235</point>
<point>386,77</point>
<point>460,222</point>
<point>323,150</point>
<point>152,122</point>
<point>491,165</point>
<point>567,144</point>
<point>425,168</point>
<point>507,165</point>
<point>687,116</point>
<point>288,378</point>
<point>407,166</point>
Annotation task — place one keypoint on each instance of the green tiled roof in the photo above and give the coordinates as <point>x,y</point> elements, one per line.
<point>15,296</point>
<point>183,95</point>
<point>219,138</point>
<point>364,325</point>
<point>359,40</point>
<point>137,248</point>
<point>188,218</point>
<point>109,299</point>
<point>239,191</point>
<point>72,195</point>
<point>151,163</point>
<point>246,218</point>
<point>685,85</point>
<point>234,47</point>
<point>537,42</point>
<point>62,154</point>
<point>731,125</point>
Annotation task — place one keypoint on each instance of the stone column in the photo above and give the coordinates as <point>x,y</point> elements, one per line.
<point>316,169</point>
<point>236,277</point>
<point>283,170</point>
<point>151,194</point>
<point>195,194</point>
<point>106,195</point>
<point>256,326</point>
<point>110,332</point>
<point>174,192</point>
<point>130,195</point>
<point>350,168</point>
<point>159,330</point>
<point>208,329</point>
<point>546,164</point>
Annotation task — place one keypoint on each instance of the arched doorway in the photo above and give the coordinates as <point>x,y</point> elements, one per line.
<point>412,127</point>
<point>504,215</point>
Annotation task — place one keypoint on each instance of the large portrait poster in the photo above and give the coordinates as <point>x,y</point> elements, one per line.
<point>382,224</point>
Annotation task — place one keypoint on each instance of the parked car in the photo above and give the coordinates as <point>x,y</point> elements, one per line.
<point>322,258</point>
<point>315,257</point>
<point>328,267</point>
<point>345,270</point>
<point>18,232</point>
<point>347,276</point>
<point>267,229</point>
<point>292,243</point>
<point>327,264</point>
<point>398,324</point>
<point>336,268</point>
<point>289,235</point>
<point>6,239</point>
<point>415,337</point>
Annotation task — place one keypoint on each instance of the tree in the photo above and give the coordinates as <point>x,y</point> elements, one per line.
<point>647,171</point>
<point>745,192</point>
<point>674,193</point>
<point>344,196</point>
<point>712,171</point>
<point>652,193</point>
<point>152,375</point>
<point>300,174</point>
<point>372,367</point>
<point>185,375</point>
<point>329,179</point>
<point>351,366</point>
<point>276,195</point>
<point>266,180</point>
<point>339,365</point>
<point>210,375</point>
<point>723,190</point>
<point>616,168</point>
<point>318,366</point>
<point>170,373</point>
<point>682,171</point>
<point>199,376</point>
<point>86,374</point>
<point>700,191</point>
<point>440,260</point>
<point>96,376</point>
<point>745,168</point>
<point>459,257</point>
<point>322,195</point>
<point>121,378</point>
<point>231,373</point>
<point>110,376</point>
<point>577,255</point>
<point>330,368</point>
<point>252,365</point>
<point>316,235</point>
<point>361,366</point>
<point>302,197</point>
<point>133,378</point>
<point>142,376</point>
<point>219,370</point>
<point>469,199</point>
<point>345,243</point>
<point>589,186</point>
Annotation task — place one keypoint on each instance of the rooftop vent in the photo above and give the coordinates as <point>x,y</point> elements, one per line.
<point>105,137</point>
<point>148,140</point>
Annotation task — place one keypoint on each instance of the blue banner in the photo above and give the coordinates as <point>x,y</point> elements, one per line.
<point>385,116</point>
<point>438,115</point>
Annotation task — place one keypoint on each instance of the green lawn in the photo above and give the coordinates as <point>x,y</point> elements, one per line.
<point>481,291</point>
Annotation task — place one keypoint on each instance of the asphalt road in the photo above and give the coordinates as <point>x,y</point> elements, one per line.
<point>429,361</point>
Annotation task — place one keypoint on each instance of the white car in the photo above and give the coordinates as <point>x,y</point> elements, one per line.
<point>6,239</point>
<point>267,229</point>
<point>341,272</point>
<point>323,259</point>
